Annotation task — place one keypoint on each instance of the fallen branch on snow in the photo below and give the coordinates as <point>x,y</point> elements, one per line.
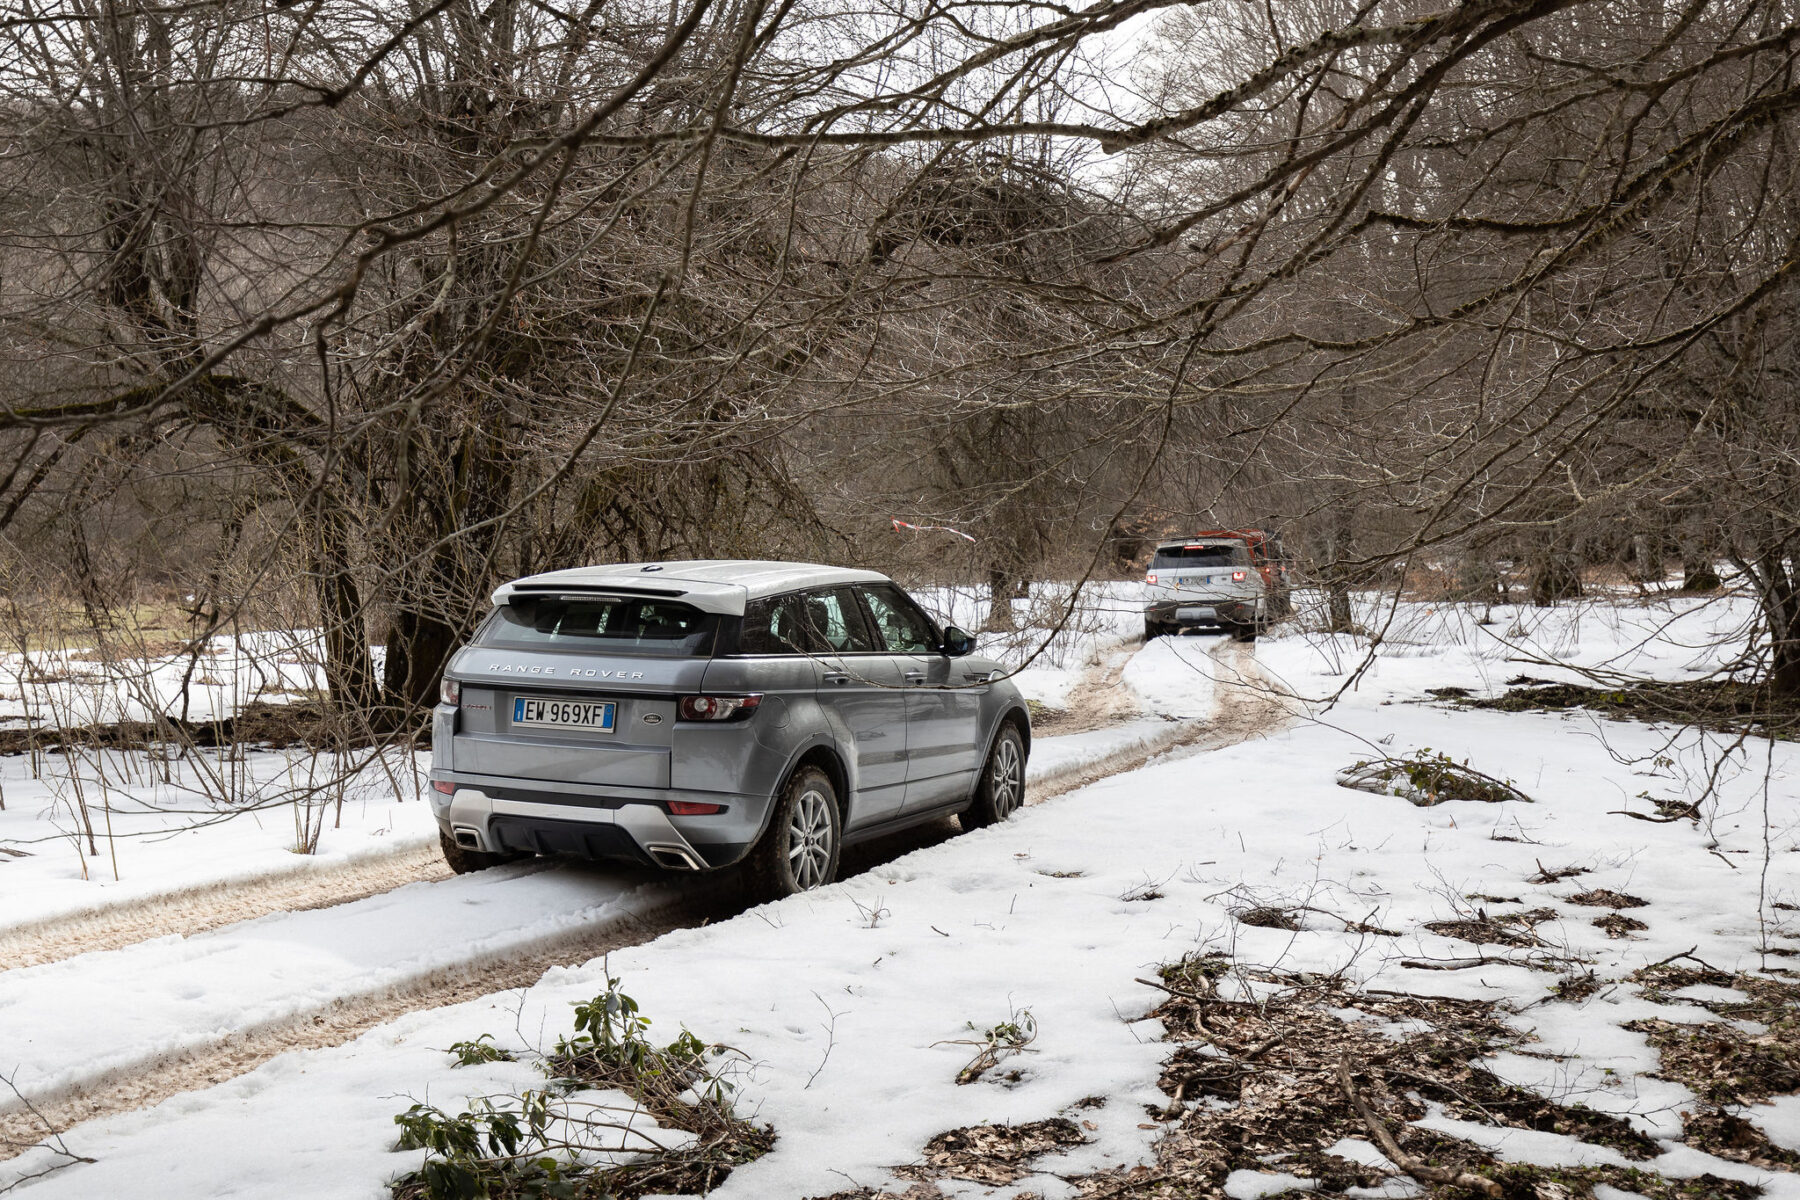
<point>1422,1171</point>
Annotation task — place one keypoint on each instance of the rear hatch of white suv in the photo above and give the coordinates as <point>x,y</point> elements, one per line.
<point>1205,581</point>
<point>579,689</point>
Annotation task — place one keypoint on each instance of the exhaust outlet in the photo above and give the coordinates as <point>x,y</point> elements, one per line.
<point>674,858</point>
<point>465,837</point>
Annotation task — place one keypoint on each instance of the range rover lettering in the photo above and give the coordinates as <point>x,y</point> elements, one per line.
<point>700,715</point>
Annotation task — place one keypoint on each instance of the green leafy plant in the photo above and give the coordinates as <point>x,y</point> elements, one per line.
<point>1428,777</point>
<point>485,1151</point>
<point>481,1050</point>
<point>549,1144</point>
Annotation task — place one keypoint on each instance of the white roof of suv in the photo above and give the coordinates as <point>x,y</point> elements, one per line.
<point>720,585</point>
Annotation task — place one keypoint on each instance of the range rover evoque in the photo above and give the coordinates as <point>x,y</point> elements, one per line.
<point>697,715</point>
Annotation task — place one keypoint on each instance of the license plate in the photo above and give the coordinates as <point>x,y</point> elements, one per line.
<point>596,716</point>
<point>1193,614</point>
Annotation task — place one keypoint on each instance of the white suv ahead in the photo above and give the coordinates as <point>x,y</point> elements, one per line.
<point>1204,581</point>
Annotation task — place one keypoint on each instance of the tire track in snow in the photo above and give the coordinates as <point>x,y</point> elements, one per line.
<point>1250,707</point>
<point>1247,704</point>
<point>342,1020</point>
<point>211,906</point>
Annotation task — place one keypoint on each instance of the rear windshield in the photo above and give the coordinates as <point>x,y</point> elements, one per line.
<point>614,625</point>
<point>1182,558</point>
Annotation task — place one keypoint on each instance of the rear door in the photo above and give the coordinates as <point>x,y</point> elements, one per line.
<point>943,712</point>
<point>861,690</point>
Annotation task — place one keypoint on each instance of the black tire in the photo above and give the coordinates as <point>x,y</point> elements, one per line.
<point>463,861</point>
<point>1001,791</point>
<point>1243,633</point>
<point>800,848</point>
<point>1153,629</point>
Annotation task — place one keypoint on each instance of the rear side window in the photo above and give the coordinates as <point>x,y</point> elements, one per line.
<point>614,625</point>
<point>833,621</point>
<point>772,626</point>
<point>1182,558</point>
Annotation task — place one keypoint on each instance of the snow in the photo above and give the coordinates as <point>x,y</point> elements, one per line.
<point>1253,1185</point>
<point>69,1030</point>
<point>84,685</point>
<point>852,998</point>
<point>185,834</point>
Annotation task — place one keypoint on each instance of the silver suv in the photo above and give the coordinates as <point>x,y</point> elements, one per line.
<point>1204,581</point>
<point>693,715</point>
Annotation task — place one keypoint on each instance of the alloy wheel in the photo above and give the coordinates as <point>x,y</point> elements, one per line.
<point>809,839</point>
<point>1004,785</point>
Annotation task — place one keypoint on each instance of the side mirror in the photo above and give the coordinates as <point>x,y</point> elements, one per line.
<point>957,642</point>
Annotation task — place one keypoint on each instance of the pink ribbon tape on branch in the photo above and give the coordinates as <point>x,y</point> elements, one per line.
<point>899,525</point>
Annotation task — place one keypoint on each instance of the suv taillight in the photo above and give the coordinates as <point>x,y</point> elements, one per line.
<point>1149,579</point>
<point>1238,576</point>
<point>719,708</point>
<point>450,692</point>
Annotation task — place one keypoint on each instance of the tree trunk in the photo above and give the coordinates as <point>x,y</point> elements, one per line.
<point>1698,574</point>
<point>349,668</point>
<point>1000,593</point>
<point>1779,598</point>
<point>1339,538</point>
<point>1646,558</point>
<point>418,646</point>
<point>1554,576</point>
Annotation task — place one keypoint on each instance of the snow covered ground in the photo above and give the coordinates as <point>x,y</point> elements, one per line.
<point>853,1005</point>
<point>214,819</point>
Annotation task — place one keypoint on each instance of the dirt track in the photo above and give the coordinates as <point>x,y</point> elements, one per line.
<point>1245,710</point>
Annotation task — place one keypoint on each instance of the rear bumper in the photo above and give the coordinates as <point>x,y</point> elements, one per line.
<point>1202,611</point>
<point>501,816</point>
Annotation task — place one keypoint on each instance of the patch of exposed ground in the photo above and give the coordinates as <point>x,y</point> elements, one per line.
<point>1722,705</point>
<point>1618,925</point>
<point>195,910</point>
<point>993,1154</point>
<point>1752,1055</point>
<point>1499,929</point>
<point>258,723</point>
<point>1605,898</point>
<point>1098,700</point>
<point>1267,1077</point>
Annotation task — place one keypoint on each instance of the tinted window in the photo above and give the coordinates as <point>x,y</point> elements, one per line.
<point>620,625</point>
<point>833,621</point>
<point>900,626</point>
<point>1183,558</point>
<point>772,626</point>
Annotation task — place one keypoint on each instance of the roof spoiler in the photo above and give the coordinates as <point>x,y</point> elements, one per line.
<point>507,593</point>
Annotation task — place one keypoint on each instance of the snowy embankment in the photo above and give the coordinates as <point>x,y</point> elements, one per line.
<point>853,1005</point>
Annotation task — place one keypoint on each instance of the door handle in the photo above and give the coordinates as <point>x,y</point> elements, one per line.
<point>837,677</point>
<point>915,677</point>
